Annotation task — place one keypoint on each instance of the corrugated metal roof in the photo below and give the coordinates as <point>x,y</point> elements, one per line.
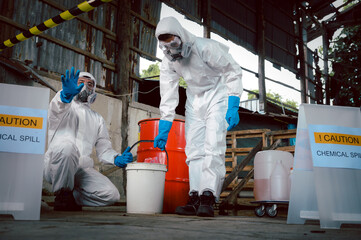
<point>237,21</point>
<point>321,8</point>
<point>189,8</point>
<point>279,33</point>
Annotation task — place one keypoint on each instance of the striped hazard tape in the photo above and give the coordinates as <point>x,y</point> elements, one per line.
<point>52,22</point>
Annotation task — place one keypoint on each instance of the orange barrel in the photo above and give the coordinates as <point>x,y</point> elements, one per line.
<point>177,177</point>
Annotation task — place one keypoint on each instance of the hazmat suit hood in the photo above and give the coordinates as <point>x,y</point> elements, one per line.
<point>170,25</point>
<point>89,95</point>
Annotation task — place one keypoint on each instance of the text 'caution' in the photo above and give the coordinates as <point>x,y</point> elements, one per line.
<point>21,121</point>
<point>337,138</point>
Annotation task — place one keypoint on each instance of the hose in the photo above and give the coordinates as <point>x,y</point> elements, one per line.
<point>166,153</point>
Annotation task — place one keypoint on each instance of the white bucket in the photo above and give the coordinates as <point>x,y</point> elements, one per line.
<point>145,187</point>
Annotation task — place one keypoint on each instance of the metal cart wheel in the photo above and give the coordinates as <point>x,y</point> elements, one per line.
<point>272,210</point>
<point>260,211</point>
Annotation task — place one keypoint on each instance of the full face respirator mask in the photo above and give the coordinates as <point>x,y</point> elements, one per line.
<point>87,94</point>
<point>175,49</point>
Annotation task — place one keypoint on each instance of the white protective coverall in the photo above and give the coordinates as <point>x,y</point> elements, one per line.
<point>211,75</point>
<point>73,130</point>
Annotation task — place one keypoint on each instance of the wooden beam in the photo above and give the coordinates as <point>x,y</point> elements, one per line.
<point>144,53</point>
<point>326,44</point>
<point>261,56</point>
<point>301,55</point>
<point>237,189</point>
<point>238,150</point>
<point>122,83</point>
<point>281,132</point>
<point>206,8</point>
<point>233,195</point>
<point>250,131</point>
<point>154,25</point>
<point>136,78</point>
<point>240,166</point>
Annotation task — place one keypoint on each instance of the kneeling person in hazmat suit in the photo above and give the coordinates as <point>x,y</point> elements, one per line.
<point>214,88</point>
<point>74,129</point>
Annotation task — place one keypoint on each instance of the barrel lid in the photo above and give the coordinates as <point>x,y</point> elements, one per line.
<point>146,166</point>
<point>157,119</point>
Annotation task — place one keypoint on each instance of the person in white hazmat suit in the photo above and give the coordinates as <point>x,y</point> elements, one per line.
<point>74,129</point>
<point>214,88</point>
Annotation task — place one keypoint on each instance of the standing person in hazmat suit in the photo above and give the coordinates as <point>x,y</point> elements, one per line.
<point>214,88</point>
<point>74,129</point>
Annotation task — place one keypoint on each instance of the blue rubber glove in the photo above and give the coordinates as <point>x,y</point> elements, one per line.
<point>161,140</point>
<point>232,116</point>
<point>70,86</point>
<point>124,159</point>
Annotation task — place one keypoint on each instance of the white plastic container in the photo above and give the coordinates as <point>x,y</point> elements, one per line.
<point>279,183</point>
<point>264,164</point>
<point>145,187</point>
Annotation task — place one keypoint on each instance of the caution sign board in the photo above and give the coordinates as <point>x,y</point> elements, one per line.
<point>325,183</point>
<point>23,127</point>
<point>335,146</point>
<point>22,130</point>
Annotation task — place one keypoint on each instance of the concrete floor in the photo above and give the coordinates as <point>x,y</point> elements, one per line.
<point>114,223</point>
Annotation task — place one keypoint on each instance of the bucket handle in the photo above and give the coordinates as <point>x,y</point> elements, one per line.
<point>166,153</point>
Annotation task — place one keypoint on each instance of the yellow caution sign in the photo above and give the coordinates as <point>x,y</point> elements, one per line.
<point>21,121</point>
<point>337,138</point>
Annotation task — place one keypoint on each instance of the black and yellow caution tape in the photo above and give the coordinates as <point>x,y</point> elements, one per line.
<point>52,22</point>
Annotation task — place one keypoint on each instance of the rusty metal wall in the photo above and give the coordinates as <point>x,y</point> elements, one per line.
<point>150,10</point>
<point>49,56</point>
<point>146,14</point>
<point>143,32</point>
<point>54,57</point>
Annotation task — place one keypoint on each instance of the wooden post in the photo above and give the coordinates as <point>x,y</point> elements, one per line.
<point>325,63</point>
<point>305,54</point>
<point>122,68</point>
<point>301,55</point>
<point>261,56</point>
<point>206,9</point>
<point>121,85</point>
